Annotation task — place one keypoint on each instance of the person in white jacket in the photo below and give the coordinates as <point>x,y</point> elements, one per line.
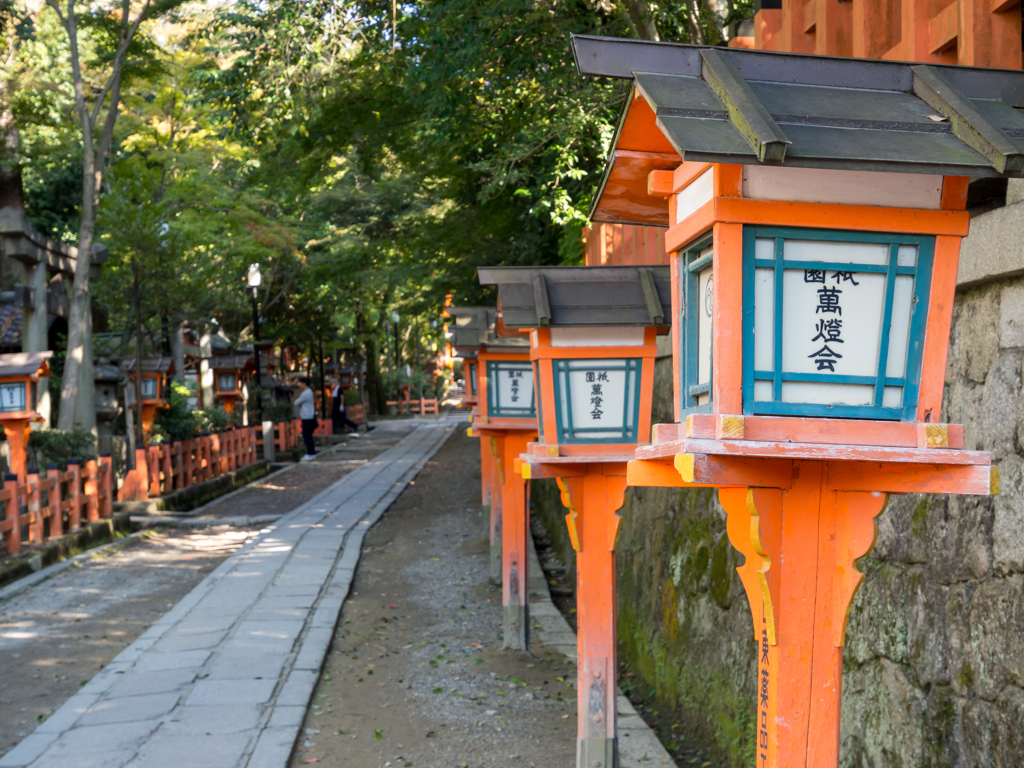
<point>306,411</point>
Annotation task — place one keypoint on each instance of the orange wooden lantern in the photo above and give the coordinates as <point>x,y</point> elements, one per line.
<point>815,209</point>
<point>229,375</point>
<point>19,379</point>
<point>593,343</point>
<point>506,423</point>
<point>467,336</point>
<point>154,372</point>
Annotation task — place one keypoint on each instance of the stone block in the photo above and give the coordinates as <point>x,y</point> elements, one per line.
<point>286,717</point>
<point>297,689</point>
<point>28,749</point>
<point>129,709</point>
<point>251,666</point>
<point>68,714</point>
<point>1008,519</point>
<point>73,745</point>
<point>214,719</point>
<point>1011,315</point>
<point>314,648</point>
<point>274,748</point>
<point>173,750</point>
<point>999,404</point>
<point>882,715</point>
<point>156,662</point>
<point>165,681</point>
<point>176,641</point>
<point>212,692</point>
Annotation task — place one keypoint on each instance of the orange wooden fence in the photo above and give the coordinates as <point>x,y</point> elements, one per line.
<point>167,467</point>
<point>58,504</point>
<point>420,405</point>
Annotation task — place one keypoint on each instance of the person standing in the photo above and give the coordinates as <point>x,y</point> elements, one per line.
<point>305,410</point>
<point>338,413</point>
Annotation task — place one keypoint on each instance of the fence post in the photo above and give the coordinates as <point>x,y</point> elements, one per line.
<point>229,437</point>
<point>56,514</point>
<point>91,489</point>
<point>165,459</point>
<point>75,489</point>
<point>35,529</point>
<point>153,467</point>
<point>107,485</point>
<point>12,512</point>
<point>186,454</point>
<point>178,472</point>
<point>207,458</point>
<point>269,441</point>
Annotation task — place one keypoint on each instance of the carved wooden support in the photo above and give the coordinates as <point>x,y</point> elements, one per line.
<point>801,546</point>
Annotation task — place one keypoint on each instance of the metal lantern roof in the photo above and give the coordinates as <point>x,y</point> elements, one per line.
<point>150,364</point>
<point>477,327</point>
<point>224,363</point>
<point>23,363</point>
<point>730,105</point>
<point>533,297</point>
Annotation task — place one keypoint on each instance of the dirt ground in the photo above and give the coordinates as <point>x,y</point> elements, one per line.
<point>416,675</point>
<point>55,636</point>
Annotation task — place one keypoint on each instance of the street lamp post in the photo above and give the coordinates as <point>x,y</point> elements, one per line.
<point>253,280</point>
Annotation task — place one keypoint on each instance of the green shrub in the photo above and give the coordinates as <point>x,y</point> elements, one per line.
<point>351,397</point>
<point>53,445</point>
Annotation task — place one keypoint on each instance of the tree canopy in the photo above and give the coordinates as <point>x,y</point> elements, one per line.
<point>368,155</point>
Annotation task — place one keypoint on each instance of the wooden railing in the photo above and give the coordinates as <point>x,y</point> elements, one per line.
<point>420,405</point>
<point>168,467</point>
<point>58,504</point>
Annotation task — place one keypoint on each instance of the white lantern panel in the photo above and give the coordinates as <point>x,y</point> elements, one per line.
<point>763,390</point>
<point>827,394</point>
<point>764,248</point>
<point>510,389</point>
<point>597,399</point>
<point>705,312</point>
<point>148,388</point>
<point>875,254</point>
<point>832,321</point>
<point>892,397</point>
<point>764,319</point>
<point>12,397</point>
<point>899,329</point>
<point>907,256</point>
<point>226,382</point>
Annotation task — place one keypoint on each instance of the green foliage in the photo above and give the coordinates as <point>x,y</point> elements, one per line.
<point>351,397</point>
<point>176,421</point>
<point>273,409</point>
<point>53,445</point>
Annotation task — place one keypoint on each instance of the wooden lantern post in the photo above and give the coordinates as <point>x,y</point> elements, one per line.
<point>19,380</point>
<point>593,346</point>
<point>229,373</point>
<point>467,338</point>
<point>506,423</point>
<point>814,250</point>
<point>154,373</point>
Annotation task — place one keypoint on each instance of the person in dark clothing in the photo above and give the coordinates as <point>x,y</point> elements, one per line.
<point>338,415</point>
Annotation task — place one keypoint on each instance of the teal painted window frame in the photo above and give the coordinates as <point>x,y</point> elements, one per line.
<point>539,400</point>
<point>493,368</point>
<point>910,382</point>
<point>472,378</point>
<point>570,435</point>
<point>690,265</point>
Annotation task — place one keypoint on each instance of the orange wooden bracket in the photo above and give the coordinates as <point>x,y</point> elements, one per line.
<point>801,546</point>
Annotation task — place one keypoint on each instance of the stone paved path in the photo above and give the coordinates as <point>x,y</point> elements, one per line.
<point>223,680</point>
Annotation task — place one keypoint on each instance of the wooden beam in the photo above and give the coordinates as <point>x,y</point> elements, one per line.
<point>968,124</point>
<point>746,111</point>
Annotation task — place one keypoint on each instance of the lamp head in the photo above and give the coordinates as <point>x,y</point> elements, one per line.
<point>254,278</point>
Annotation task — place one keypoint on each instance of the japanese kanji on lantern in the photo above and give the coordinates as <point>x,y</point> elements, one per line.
<point>19,381</point>
<point>593,344</point>
<point>815,208</point>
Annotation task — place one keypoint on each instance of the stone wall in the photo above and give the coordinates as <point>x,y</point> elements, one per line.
<point>934,659</point>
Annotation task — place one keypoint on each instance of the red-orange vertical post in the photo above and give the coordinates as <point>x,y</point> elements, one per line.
<point>515,553</point>
<point>16,431</point>
<point>107,485</point>
<point>12,514</point>
<point>91,488</point>
<point>53,500</point>
<point>75,491</point>
<point>593,501</point>
<point>35,526</point>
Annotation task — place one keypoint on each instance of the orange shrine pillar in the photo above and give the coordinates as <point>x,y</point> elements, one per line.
<point>807,538</point>
<point>593,500</point>
<point>17,432</point>
<point>513,532</point>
